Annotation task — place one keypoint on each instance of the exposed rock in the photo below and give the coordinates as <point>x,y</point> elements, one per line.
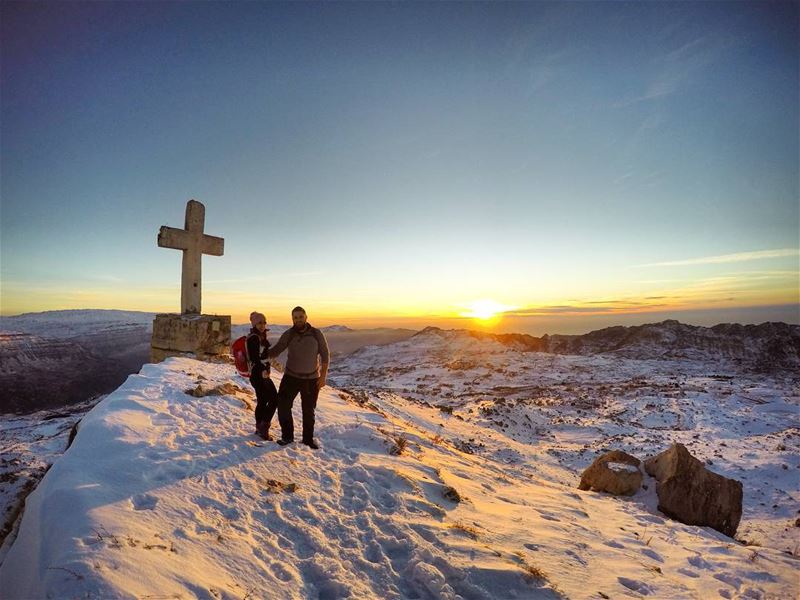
<point>451,494</point>
<point>274,486</point>
<point>615,472</point>
<point>223,389</point>
<point>691,494</point>
<point>72,433</point>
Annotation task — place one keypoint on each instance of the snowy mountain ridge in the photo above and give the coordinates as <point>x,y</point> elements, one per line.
<point>166,494</point>
<point>75,323</point>
<point>765,346</point>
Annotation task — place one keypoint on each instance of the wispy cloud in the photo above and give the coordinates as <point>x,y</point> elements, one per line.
<point>727,258</point>
<point>749,288</point>
<point>593,307</point>
<point>675,68</point>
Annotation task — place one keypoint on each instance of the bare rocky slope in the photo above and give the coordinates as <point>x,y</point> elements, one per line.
<point>58,358</point>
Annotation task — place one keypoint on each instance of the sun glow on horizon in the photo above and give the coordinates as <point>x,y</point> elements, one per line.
<point>485,310</point>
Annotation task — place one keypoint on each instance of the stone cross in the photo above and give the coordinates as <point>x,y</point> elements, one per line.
<point>194,244</point>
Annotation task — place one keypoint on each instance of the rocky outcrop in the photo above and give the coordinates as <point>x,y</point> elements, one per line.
<point>615,472</point>
<point>691,494</point>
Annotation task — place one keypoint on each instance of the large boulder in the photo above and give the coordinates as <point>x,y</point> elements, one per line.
<point>615,472</point>
<point>691,494</point>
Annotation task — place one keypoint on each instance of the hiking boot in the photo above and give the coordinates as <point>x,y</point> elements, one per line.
<point>262,431</point>
<point>311,444</point>
<point>283,442</point>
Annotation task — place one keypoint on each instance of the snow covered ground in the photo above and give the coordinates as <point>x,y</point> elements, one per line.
<point>571,409</point>
<point>167,495</point>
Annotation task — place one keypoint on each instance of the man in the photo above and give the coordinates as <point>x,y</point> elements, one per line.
<point>306,372</point>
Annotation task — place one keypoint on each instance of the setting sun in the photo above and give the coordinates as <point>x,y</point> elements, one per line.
<point>486,309</point>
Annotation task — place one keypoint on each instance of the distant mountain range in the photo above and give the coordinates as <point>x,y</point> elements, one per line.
<point>57,358</point>
<point>767,346</point>
<point>276,329</point>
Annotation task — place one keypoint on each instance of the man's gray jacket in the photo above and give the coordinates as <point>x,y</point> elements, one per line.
<point>307,349</point>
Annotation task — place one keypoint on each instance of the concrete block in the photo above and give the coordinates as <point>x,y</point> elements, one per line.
<point>201,335</point>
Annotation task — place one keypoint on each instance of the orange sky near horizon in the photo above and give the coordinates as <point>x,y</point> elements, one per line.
<point>747,296</point>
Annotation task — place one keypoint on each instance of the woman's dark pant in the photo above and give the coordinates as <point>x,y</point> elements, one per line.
<point>308,398</point>
<point>267,398</point>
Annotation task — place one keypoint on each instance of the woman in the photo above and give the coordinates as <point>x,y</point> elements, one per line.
<point>267,395</point>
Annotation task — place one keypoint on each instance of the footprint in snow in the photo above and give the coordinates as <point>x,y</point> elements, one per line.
<point>354,498</point>
<point>144,502</point>
<point>533,547</point>
<point>281,572</point>
<point>636,586</point>
<point>332,589</point>
<point>162,419</point>
<point>387,502</point>
<point>548,516</point>
<point>652,554</point>
<point>426,533</point>
<point>576,557</point>
<point>415,505</point>
<point>698,562</point>
<point>374,553</point>
<point>730,579</point>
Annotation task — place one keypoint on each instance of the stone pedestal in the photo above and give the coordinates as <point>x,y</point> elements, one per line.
<point>196,336</point>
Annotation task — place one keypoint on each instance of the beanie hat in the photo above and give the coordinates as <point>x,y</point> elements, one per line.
<point>255,317</point>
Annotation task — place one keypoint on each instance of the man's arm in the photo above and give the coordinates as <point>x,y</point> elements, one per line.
<point>324,359</point>
<point>282,344</point>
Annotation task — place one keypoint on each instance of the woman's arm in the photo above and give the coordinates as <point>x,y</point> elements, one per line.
<point>253,355</point>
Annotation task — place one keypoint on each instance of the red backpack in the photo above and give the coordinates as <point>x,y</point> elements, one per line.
<point>239,353</point>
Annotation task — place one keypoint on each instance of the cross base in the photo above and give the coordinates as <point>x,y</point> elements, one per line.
<point>204,336</point>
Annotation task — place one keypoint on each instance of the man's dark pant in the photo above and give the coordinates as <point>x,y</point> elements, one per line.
<point>266,396</point>
<point>308,398</point>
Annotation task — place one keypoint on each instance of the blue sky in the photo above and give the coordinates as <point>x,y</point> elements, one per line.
<point>389,162</point>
